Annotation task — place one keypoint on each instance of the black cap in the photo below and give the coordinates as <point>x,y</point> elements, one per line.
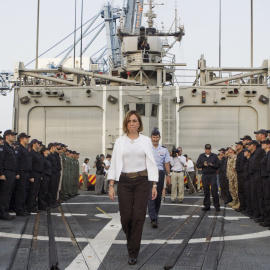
<point>254,142</point>
<point>9,132</point>
<point>35,141</point>
<point>246,137</point>
<point>77,153</point>
<point>207,146</point>
<point>155,132</point>
<point>268,130</point>
<point>240,142</point>
<point>261,131</point>
<point>267,141</point>
<point>221,149</point>
<point>63,145</point>
<point>0,132</point>
<point>23,135</point>
<point>50,145</point>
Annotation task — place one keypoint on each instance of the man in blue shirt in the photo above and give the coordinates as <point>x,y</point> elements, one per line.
<point>162,158</point>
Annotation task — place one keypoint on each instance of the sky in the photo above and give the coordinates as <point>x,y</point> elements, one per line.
<point>199,17</point>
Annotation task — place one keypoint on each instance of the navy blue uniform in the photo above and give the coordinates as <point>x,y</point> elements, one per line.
<point>266,186</point>
<point>8,166</point>
<point>36,173</point>
<point>239,167</point>
<point>52,190</point>
<point>209,177</point>
<point>24,169</point>
<point>256,183</point>
<point>44,184</point>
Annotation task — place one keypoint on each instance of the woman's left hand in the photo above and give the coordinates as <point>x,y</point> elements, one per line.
<point>154,193</point>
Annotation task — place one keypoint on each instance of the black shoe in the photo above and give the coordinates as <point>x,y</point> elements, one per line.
<point>258,220</point>
<point>217,209</point>
<point>205,209</point>
<point>22,214</point>
<point>6,216</point>
<point>34,211</point>
<point>238,210</point>
<point>172,201</point>
<point>264,224</point>
<point>132,261</point>
<point>154,224</point>
<point>180,201</point>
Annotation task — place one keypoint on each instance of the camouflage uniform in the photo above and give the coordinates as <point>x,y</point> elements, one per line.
<point>232,178</point>
<point>64,188</point>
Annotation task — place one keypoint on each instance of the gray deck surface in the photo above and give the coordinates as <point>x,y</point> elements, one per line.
<point>88,235</point>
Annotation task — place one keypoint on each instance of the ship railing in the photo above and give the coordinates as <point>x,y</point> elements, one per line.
<point>139,58</point>
<point>192,77</point>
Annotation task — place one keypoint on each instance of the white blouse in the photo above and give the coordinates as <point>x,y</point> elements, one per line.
<point>86,168</point>
<point>116,166</point>
<point>134,158</point>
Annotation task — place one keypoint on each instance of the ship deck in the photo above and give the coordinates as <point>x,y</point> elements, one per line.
<point>85,233</point>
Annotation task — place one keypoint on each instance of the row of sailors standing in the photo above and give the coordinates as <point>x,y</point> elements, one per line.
<point>33,177</point>
<point>245,177</point>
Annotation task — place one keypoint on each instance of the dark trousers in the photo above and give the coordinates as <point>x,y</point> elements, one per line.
<point>266,189</point>
<point>133,197</point>
<point>33,192</point>
<point>154,205</point>
<point>256,176</point>
<point>223,186</point>
<point>20,192</point>
<point>254,196</point>
<point>241,190</point>
<point>52,190</point>
<point>6,190</point>
<point>229,196</point>
<point>43,192</point>
<point>248,193</point>
<point>206,180</point>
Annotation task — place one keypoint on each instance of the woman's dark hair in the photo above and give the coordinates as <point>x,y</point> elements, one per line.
<point>126,119</point>
<point>86,159</point>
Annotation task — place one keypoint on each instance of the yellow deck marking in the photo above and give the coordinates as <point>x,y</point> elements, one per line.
<point>104,212</point>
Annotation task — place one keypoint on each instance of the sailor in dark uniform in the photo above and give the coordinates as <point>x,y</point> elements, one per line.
<point>37,170</point>
<point>44,184</point>
<point>209,163</point>
<point>8,167</point>
<point>240,164</point>
<point>24,168</point>
<point>266,181</point>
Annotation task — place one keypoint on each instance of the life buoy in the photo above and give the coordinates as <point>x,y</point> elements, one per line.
<point>61,75</point>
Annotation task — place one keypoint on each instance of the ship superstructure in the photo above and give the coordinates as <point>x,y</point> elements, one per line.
<point>85,109</point>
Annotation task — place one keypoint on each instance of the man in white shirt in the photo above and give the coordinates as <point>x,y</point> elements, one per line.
<point>107,162</point>
<point>190,173</point>
<point>177,176</point>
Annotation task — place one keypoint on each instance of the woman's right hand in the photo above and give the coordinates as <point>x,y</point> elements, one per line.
<point>111,193</point>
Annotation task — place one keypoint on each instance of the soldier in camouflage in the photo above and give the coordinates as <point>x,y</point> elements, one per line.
<point>232,177</point>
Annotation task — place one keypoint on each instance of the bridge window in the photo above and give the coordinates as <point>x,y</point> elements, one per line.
<point>140,108</point>
<point>154,110</point>
<point>126,108</point>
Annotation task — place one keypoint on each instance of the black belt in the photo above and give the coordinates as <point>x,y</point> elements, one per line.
<point>177,171</point>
